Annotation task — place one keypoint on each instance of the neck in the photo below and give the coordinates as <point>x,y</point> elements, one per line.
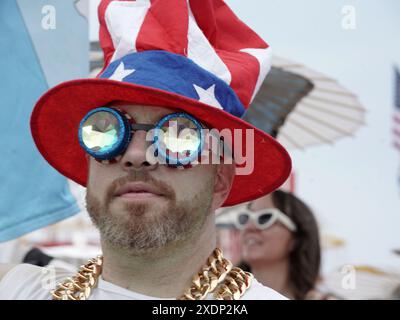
<point>165,272</point>
<point>274,275</point>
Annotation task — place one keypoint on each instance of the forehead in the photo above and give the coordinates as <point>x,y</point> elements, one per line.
<point>262,203</point>
<point>145,114</point>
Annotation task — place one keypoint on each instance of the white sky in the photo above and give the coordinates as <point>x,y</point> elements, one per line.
<point>353,186</point>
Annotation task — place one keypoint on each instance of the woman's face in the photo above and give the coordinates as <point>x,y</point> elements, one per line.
<point>266,246</point>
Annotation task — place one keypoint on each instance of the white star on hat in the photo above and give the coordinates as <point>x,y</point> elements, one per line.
<point>207,96</point>
<point>120,73</point>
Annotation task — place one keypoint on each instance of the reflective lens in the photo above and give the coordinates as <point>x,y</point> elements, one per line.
<point>181,137</point>
<point>264,218</point>
<point>100,131</point>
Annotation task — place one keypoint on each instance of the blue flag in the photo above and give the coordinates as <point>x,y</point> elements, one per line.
<point>397,89</point>
<point>42,43</point>
<point>396,114</point>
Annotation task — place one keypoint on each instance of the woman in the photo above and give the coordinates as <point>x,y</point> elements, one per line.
<point>280,244</point>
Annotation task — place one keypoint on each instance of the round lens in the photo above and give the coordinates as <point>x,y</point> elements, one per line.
<point>100,131</point>
<point>243,218</point>
<point>181,137</point>
<point>264,218</point>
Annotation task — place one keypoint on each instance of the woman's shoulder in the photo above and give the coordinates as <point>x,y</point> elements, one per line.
<point>258,291</point>
<point>316,294</point>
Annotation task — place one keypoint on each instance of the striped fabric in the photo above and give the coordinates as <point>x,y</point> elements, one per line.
<point>205,31</point>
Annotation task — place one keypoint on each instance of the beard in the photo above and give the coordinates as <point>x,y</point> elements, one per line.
<point>144,227</point>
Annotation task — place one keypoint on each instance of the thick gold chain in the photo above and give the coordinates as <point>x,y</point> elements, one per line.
<point>80,286</point>
<point>218,276</point>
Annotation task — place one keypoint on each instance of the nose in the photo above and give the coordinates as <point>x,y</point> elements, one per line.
<point>135,157</point>
<point>250,226</point>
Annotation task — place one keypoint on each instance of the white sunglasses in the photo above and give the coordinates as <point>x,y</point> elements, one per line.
<point>263,219</point>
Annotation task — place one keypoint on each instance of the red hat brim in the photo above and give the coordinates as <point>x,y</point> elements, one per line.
<point>56,117</point>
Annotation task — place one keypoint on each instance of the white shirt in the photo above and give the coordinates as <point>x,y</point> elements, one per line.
<point>29,282</point>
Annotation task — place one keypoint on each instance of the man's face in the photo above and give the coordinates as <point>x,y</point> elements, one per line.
<point>141,206</point>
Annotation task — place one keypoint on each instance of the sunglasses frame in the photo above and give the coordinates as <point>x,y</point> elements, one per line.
<point>179,161</point>
<point>254,216</point>
<point>128,126</point>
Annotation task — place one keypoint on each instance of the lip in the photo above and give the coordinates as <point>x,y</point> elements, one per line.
<point>136,191</point>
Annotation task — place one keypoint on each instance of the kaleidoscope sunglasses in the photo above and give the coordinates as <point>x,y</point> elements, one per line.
<point>105,133</point>
<point>263,219</point>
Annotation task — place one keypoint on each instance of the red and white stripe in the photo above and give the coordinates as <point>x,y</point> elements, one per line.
<point>206,31</point>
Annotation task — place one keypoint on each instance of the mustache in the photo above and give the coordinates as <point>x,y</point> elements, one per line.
<point>140,176</point>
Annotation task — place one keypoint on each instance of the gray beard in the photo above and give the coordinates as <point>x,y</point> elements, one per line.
<point>145,232</point>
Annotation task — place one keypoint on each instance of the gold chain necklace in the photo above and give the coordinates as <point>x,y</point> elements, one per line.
<point>218,276</point>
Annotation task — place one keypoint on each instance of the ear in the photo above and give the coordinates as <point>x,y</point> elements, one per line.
<point>222,184</point>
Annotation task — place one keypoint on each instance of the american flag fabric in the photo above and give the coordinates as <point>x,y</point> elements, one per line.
<point>227,61</point>
<point>396,115</point>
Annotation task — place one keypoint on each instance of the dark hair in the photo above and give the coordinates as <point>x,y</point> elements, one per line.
<point>305,258</point>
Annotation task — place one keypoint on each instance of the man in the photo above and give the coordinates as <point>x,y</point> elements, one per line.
<point>134,137</point>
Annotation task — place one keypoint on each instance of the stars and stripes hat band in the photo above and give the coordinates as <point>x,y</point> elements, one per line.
<point>194,56</point>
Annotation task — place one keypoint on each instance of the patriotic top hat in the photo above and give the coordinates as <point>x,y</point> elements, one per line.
<point>194,56</point>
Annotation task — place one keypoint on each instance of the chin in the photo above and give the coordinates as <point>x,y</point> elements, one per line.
<point>253,254</point>
<point>149,212</point>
